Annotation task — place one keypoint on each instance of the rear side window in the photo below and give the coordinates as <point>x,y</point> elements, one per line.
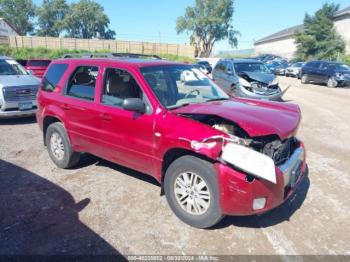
<point>53,76</point>
<point>39,63</point>
<point>82,83</point>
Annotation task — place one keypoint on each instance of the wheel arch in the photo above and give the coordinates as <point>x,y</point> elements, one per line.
<point>175,153</point>
<point>49,120</point>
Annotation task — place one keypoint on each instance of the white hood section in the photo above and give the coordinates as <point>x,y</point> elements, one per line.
<point>19,80</point>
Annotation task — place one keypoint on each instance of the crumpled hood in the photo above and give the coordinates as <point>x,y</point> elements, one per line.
<point>18,80</point>
<point>259,76</point>
<point>257,118</point>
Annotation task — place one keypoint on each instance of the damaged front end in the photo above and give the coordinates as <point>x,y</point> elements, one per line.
<point>256,156</point>
<point>255,86</point>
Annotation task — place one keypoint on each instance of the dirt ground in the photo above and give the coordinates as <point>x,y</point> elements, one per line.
<point>102,208</point>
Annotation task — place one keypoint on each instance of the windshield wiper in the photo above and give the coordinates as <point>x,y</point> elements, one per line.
<point>217,99</point>
<point>179,106</point>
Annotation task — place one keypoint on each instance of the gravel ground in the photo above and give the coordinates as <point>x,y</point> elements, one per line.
<point>102,208</point>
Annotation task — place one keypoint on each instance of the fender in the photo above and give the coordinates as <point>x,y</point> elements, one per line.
<point>57,112</point>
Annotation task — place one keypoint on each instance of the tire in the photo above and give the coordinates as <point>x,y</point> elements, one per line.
<point>304,79</point>
<point>233,90</point>
<point>332,83</point>
<point>56,136</point>
<point>199,215</point>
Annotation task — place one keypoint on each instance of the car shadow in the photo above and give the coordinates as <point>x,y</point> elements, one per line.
<point>38,217</point>
<point>18,121</point>
<point>275,216</point>
<point>89,160</point>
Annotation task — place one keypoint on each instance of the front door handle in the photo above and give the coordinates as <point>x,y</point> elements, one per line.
<point>106,117</point>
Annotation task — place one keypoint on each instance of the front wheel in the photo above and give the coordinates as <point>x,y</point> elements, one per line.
<point>304,79</point>
<point>191,189</point>
<point>332,83</point>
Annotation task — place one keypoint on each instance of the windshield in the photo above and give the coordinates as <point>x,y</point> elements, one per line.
<point>11,67</point>
<point>251,67</point>
<point>340,67</point>
<point>180,85</point>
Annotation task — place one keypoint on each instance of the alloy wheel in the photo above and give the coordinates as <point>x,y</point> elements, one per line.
<point>192,193</point>
<point>57,146</point>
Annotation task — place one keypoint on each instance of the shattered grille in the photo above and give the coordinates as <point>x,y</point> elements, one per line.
<point>280,151</point>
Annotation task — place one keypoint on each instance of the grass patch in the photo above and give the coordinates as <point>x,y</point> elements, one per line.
<point>31,53</point>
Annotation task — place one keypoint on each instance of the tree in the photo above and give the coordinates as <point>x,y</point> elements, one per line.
<point>86,19</point>
<point>319,39</point>
<point>208,21</point>
<point>50,17</point>
<point>20,13</point>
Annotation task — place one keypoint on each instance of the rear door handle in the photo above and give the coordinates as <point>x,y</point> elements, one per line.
<point>106,117</point>
<point>65,107</point>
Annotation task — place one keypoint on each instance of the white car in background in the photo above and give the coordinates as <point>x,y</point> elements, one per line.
<point>18,89</point>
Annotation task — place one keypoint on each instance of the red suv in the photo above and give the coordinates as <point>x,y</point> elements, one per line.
<point>212,154</point>
<point>36,66</point>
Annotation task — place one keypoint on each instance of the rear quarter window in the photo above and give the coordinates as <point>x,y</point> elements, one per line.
<point>53,76</point>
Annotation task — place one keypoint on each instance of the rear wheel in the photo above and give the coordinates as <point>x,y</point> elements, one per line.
<point>332,83</point>
<point>304,79</point>
<point>59,147</point>
<point>191,189</point>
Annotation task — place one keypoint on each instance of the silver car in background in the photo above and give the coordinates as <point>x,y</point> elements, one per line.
<point>295,69</point>
<point>18,89</point>
<point>247,78</point>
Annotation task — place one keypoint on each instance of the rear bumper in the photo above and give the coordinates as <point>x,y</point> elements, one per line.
<point>237,194</point>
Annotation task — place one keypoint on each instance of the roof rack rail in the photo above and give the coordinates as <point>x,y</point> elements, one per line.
<point>109,55</point>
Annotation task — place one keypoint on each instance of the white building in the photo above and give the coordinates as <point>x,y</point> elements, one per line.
<point>282,43</point>
<point>6,29</point>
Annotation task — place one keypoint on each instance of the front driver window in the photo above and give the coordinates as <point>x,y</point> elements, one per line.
<point>119,85</point>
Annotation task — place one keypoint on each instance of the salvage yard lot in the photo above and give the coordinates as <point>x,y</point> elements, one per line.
<point>102,208</point>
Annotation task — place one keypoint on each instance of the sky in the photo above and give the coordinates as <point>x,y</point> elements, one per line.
<point>155,20</point>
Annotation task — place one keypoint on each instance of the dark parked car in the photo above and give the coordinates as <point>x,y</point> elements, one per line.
<point>212,154</point>
<point>36,66</point>
<point>333,74</point>
<point>207,65</point>
<point>247,78</point>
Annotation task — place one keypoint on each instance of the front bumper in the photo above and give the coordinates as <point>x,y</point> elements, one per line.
<point>275,96</point>
<point>17,113</point>
<point>343,81</point>
<point>293,72</point>
<point>237,194</point>
<point>11,110</point>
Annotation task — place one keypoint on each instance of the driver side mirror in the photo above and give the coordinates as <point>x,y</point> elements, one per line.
<point>135,105</point>
<point>30,72</point>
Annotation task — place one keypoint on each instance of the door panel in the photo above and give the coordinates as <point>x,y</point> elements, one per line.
<point>126,137</point>
<point>80,110</point>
